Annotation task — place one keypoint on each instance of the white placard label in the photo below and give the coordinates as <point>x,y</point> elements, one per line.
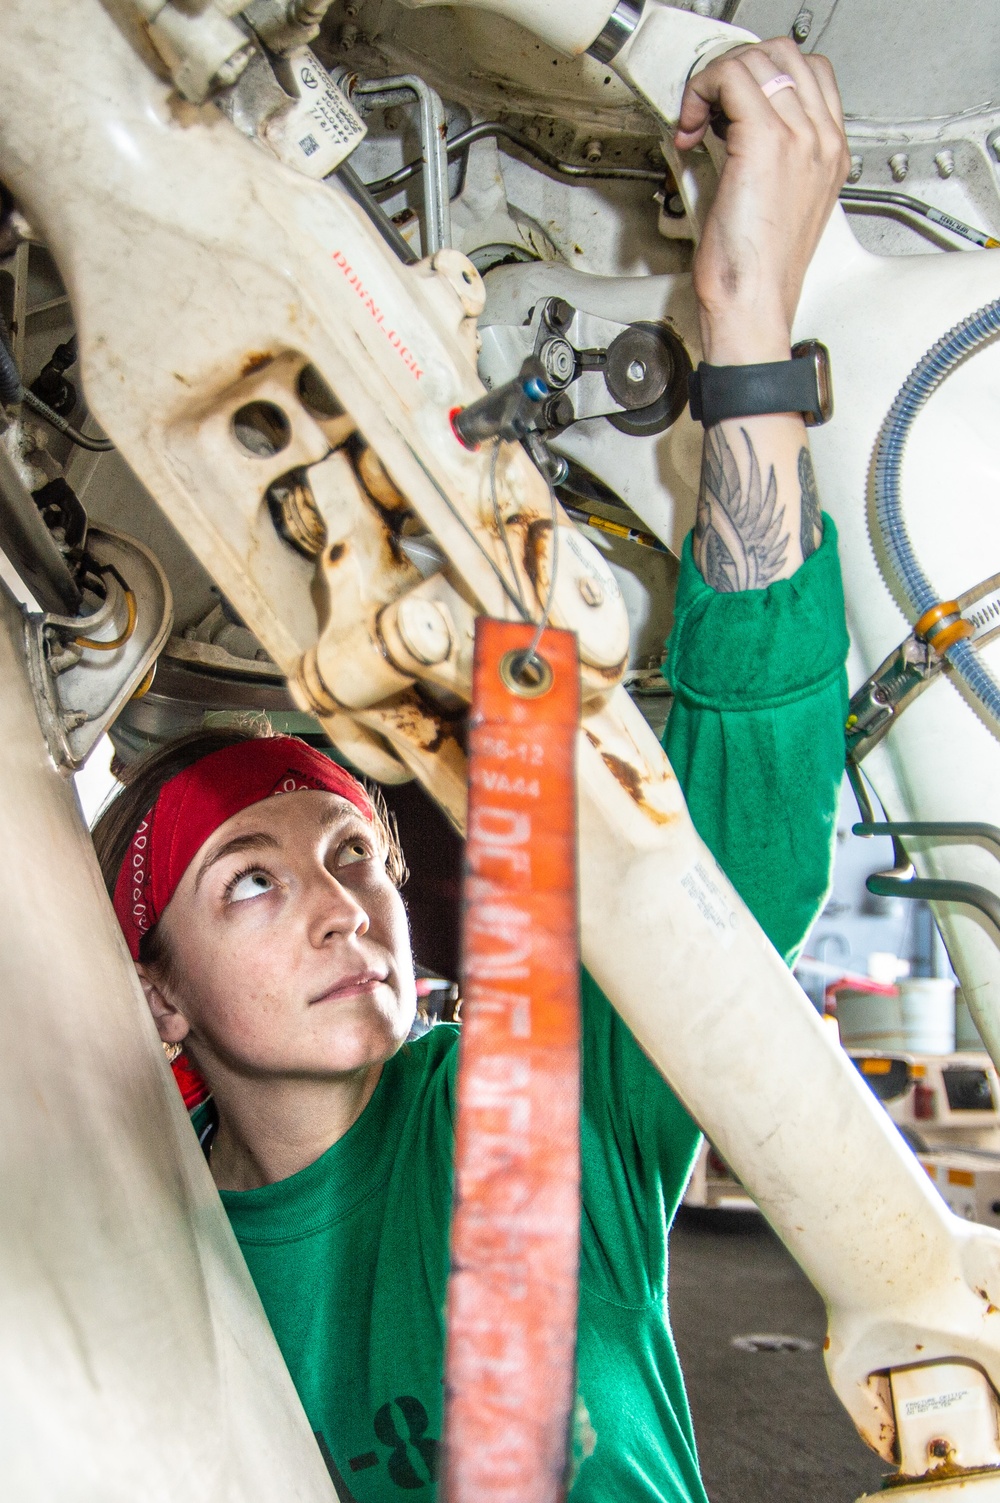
<point>941,1403</point>
<point>708,892</point>
<point>322,128</point>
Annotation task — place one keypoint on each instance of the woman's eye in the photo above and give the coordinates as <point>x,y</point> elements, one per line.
<point>250,885</point>
<point>354,850</point>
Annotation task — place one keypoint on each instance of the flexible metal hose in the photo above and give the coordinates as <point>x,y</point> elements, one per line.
<point>11,390</point>
<point>927,375</point>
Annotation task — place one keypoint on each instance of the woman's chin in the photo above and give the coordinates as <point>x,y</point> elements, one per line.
<point>370,1040</point>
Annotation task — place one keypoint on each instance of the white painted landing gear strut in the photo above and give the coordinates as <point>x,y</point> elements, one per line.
<point>219,275</point>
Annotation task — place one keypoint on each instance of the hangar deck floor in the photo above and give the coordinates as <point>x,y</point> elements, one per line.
<point>769,1427</point>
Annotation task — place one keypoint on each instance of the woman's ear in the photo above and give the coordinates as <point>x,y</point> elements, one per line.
<point>171,1024</point>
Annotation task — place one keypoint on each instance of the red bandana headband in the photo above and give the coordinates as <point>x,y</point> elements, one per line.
<point>192,806</point>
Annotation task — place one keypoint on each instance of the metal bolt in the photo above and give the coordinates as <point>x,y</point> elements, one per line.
<point>393,117</point>
<point>802,26</point>
<point>558,314</point>
<point>348,37</point>
<point>558,361</point>
<point>557,469</point>
<point>425,629</point>
<point>674,206</point>
<point>938,1448</point>
<point>636,371</point>
<point>945,162</point>
<point>899,166</point>
<point>559,412</point>
<point>593,151</point>
<point>591,590</point>
<point>856,169</point>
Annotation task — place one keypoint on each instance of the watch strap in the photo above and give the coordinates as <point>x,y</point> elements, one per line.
<point>732,391</point>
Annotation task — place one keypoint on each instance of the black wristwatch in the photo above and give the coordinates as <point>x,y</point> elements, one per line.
<point>801,384</point>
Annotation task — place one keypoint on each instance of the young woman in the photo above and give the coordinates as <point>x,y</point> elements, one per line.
<point>257,886</point>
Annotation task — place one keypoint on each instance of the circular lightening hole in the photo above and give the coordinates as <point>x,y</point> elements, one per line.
<point>262,429</point>
<point>315,394</point>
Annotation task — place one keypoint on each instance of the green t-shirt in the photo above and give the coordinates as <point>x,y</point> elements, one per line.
<point>350,1255</point>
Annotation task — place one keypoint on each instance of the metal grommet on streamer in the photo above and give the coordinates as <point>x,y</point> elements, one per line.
<point>525,674</point>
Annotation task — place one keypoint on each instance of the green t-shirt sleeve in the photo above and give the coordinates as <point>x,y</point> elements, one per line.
<point>756,733</point>
<point>637,1146</point>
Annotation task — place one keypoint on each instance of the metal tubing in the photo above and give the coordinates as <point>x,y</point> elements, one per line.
<point>82,440</point>
<point>30,547</point>
<point>361,194</point>
<point>949,829</point>
<point>938,890</point>
<point>887,198</point>
<point>433,141</point>
<point>497,128</point>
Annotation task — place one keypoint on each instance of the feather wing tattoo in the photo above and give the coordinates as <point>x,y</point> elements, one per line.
<point>740,542</point>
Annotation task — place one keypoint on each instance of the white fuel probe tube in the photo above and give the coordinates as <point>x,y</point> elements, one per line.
<point>569,28</point>
<point>653,46</point>
<point>668,939</point>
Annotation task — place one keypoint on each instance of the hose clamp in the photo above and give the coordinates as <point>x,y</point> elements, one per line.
<point>943,625</point>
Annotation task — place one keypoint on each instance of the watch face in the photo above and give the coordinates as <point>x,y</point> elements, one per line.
<point>819,356</point>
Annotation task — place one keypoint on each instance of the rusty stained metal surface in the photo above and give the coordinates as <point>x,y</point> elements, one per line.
<point>636,780</point>
<point>255,360</point>
<point>428,742</point>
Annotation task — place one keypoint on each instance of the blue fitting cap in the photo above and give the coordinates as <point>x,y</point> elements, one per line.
<point>535,388</point>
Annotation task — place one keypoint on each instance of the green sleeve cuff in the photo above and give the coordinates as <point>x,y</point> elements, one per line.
<point>758,649</point>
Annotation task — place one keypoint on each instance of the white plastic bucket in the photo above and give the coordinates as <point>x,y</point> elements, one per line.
<point>928,1008</point>
<point>919,1018</point>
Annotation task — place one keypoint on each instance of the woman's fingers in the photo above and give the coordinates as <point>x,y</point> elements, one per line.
<point>794,106</point>
<point>722,87</point>
<point>826,79</point>
<point>726,86</point>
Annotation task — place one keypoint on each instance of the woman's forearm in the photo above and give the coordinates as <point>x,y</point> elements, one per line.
<point>758,508</point>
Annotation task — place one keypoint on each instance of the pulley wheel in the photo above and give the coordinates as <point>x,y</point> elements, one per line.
<point>646,370</point>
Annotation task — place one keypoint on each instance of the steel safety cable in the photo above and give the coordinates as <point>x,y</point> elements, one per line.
<point>509,591</point>
<point>501,524</point>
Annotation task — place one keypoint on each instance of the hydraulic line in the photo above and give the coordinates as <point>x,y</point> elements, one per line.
<point>352,184</point>
<point>82,440</point>
<point>13,391</point>
<point>434,157</point>
<point>466,138</point>
<point>874,197</point>
<point>30,546</point>
<point>927,375</point>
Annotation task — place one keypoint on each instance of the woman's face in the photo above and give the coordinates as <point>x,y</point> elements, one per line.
<point>288,944</point>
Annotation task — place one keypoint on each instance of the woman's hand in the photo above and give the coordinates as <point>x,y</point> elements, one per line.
<point>786,161</point>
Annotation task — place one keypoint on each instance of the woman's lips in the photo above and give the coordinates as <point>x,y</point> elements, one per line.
<point>352,986</point>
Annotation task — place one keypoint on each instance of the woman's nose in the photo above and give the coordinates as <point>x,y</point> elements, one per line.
<point>337,911</point>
